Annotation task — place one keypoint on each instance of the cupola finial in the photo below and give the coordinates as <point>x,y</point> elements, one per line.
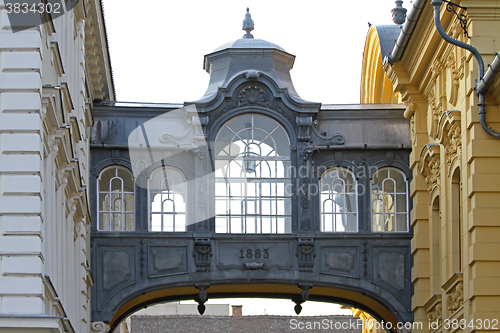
<point>399,13</point>
<point>248,24</point>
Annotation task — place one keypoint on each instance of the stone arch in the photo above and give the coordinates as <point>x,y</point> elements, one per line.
<point>380,308</point>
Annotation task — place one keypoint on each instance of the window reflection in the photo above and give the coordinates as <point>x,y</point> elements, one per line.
<point>389,201</point>
<point>338,201</point>
<point>116,200</point>
<point>167,200</point>
<point>252,181</point>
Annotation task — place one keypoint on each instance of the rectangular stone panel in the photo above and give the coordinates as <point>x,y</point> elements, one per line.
<point>391,267</point>
<point>115,270</point>
<point>166,260</point>
<point>340,260</point>
<point>255,255</point>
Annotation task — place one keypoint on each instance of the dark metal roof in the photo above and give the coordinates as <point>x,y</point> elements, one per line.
<point>387,35</point>
<point>249,43</point>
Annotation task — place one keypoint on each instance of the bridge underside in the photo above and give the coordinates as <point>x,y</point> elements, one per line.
<point>367,272</point>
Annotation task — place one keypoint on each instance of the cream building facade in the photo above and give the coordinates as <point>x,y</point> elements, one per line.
<point>50,75</point>
<point>456,176</point>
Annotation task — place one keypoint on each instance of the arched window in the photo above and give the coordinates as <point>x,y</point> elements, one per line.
<point>252,178</point>
<point>167,200</point>
<point>116,199</point>
<point>338,201</point>
<point>389,200</point>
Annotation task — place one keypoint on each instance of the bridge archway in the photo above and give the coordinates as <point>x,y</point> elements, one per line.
<point>367,303</point>
<point>347,242</point>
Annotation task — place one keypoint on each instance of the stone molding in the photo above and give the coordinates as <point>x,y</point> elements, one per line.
<point>99,327</point>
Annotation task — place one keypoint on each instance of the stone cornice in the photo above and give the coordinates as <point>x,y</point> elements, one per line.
<point>97,54</point>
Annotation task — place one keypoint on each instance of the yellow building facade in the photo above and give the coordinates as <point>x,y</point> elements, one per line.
<point>456,175</point>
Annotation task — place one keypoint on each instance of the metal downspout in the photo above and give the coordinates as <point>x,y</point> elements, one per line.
<point>482,85</point>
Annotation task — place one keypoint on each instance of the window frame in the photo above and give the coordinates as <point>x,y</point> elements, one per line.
<point>122,212</point>
<point>150,202</point>
<point>258,219</point>
<point>322,214</point>
<point>395,193</point>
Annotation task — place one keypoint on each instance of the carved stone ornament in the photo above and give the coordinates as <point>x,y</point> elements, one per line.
<point>202,254</point>
<point>305,126</point>
<point>99,327</point>
<point>307,150</point>
<point>433,175</point>
<point>252,95</point>
<point>435,313</point>
<point>413,132</point>
<point>306,253</point>
<point>141,256</point>
<point>452,79</point>
<point>450,136</point>
<point>254,265</point>
<point>433,308</point>
<point>228,106</point>
<point>456,297</point>
<point>435,97</point>
<point>430,166</point>
<point>410,106</point>
<point>453,145</point>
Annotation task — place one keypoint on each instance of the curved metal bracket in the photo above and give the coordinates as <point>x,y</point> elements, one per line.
<point>482,105</point>
<point>451,7</point>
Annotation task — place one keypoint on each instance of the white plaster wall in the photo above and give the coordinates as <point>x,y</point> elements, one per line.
<point>43,233</point>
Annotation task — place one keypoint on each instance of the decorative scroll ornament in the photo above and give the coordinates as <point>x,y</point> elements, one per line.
<point>252,95</point>
<point>456,297</point>
<point>306,253</point>
<point>99,327</point>
<point>202,254</point>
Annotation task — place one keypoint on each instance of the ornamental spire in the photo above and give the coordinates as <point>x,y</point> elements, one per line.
<point>399,13</point>
<point>248,24</point>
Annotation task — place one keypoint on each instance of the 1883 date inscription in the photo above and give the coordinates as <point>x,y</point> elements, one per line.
<point>257,253</point>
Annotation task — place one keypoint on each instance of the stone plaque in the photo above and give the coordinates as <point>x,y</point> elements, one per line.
<point>342,261</point>
<point>389,268</point>
<point>166,260</point>
<point>255,255</point>
<point>116,272</point>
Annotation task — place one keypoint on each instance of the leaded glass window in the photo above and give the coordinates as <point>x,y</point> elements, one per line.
<point>389,200</point>
<point>167,200</point>
<point>252,178</point>
<point>338,201</point>
<point>116,199</point>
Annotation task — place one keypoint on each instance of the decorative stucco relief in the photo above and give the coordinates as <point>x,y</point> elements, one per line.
<point>450,136</point>
<point>430,165</point>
